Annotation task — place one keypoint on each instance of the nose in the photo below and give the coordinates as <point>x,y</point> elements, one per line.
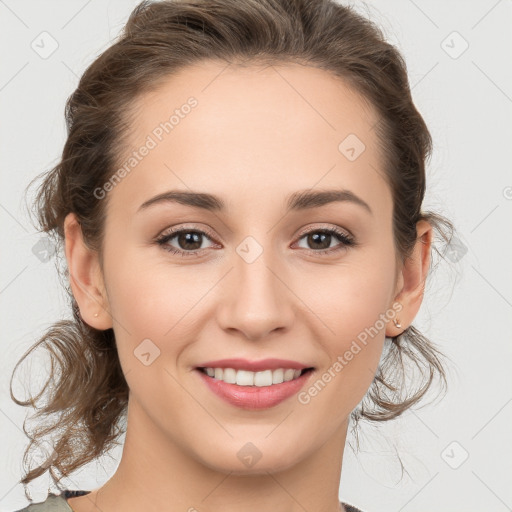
<point>257,299</point>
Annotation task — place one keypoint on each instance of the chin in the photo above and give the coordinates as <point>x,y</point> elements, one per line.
<point>250,458</point>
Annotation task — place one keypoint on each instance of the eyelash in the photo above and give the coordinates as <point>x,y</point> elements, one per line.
<point>346,241</point>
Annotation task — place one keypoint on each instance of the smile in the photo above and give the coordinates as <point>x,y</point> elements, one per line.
<point>248,378</point>
<point>257,390</point>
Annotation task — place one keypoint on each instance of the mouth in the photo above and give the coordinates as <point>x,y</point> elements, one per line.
<point>254,390</point>
<point>262,378</point>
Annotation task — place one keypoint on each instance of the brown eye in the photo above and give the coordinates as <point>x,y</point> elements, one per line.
<point>187,241</point>
<point>319,241</point>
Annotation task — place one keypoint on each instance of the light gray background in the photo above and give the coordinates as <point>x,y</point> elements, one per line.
<point>466,102</point>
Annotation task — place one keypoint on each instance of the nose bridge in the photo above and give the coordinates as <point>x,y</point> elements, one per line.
<point>259,301</point>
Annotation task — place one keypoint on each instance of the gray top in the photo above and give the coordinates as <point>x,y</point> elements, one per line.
<point>58,503</point>
<point>54,503</point>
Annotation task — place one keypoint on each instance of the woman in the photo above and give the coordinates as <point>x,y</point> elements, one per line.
<point>239,201</point>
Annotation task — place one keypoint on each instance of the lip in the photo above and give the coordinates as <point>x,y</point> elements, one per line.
<point>255,397</point>
<point>254,366</point>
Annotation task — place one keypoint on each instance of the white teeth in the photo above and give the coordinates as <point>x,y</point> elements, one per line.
<point>244,378</point>
<point>263,378</point>
<point>247,378</point>
<point>229,376</point>
<point>289,374</point>
<point>277,376</point>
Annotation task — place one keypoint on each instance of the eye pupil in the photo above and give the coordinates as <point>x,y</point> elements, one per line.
<point>320,238</point>
<point>185,239</point>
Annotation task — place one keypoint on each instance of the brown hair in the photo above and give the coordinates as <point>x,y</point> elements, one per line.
<point>90,395</point>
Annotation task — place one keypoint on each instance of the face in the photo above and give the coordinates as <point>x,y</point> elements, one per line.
<point>266,274</point>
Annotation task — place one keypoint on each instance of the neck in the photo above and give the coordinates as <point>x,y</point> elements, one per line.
<point>157,474</point>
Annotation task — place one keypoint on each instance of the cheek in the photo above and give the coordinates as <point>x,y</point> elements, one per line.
<point>348,299</point>
<point>149,300</point>
<point>351,303</point>
<point>154,303</point>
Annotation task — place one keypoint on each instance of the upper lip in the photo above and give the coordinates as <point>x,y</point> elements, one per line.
<point>254,366</point>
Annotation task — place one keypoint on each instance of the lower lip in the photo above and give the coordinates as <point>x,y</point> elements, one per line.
<point>255,397</point>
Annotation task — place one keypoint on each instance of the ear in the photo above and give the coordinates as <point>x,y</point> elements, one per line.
<point>85,277</point>
<point>411,281</point>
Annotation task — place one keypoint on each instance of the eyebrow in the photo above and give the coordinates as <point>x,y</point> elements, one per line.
<point>300,200</point>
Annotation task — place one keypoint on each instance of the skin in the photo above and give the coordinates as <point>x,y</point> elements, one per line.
<point>257,135</point>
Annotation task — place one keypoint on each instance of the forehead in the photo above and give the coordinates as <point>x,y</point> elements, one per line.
<point>253,128</point>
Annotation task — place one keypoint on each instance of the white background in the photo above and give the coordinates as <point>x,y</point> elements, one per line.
<point>467,104</point>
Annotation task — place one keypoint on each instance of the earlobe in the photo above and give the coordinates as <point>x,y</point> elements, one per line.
<point>412,280</point>
<point>85,277</point>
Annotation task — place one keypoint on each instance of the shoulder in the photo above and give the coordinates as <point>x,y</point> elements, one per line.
<point>53,503</point>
